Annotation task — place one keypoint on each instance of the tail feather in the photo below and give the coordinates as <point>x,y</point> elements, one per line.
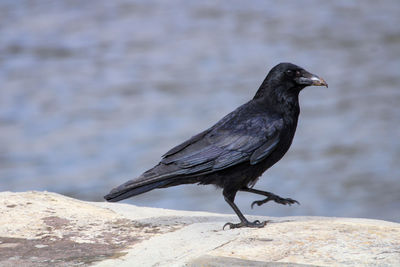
<point>159,176</point>
<point>156,177</point>
<point>128,190</point>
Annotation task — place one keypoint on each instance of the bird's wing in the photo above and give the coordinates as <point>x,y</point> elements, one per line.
<point>231,143</point>
<point>239,137</point>
<point>186,143</point>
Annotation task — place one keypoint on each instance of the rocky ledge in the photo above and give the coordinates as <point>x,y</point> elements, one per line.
<point>48,229</point>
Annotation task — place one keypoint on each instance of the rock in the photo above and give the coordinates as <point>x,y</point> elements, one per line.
<point>47,229</point>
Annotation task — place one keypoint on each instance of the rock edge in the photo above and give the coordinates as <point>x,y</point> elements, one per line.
<point>47,229</point>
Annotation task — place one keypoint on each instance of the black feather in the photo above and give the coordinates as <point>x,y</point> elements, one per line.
<point>235,151</point>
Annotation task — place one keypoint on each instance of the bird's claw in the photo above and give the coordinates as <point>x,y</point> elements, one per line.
<point>277,199</point>
<point>255,224</point>
<point>258,202</point>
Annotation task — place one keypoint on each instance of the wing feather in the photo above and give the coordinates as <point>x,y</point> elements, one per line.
<point>263,151</point>
<point>217,148</point>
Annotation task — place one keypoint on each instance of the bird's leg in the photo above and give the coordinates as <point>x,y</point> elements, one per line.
<point>229,198</point>
<point>270,196</point>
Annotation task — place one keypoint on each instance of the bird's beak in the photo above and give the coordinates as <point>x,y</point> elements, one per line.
<point>311,79</point>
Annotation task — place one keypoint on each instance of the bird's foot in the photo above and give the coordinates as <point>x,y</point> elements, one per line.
<point>255,224</point>
<point>277,199</point>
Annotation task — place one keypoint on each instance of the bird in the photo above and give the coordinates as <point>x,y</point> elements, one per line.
<point>233,153</point>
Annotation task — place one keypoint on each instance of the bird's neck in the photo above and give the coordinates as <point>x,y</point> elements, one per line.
<point>286,102</point>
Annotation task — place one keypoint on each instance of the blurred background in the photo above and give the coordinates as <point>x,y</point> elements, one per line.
<point>92,93</point>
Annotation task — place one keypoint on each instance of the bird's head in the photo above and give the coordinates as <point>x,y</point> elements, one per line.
<point>294,76</point>
<point>289,78</point>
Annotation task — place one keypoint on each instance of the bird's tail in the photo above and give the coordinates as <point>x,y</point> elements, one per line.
<point>160,176</point>
<point>130,189</point>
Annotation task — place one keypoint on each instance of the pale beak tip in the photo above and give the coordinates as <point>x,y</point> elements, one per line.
<point>323,83</point>
<point>319,81</point>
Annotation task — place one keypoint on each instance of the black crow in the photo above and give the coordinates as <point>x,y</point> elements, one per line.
<point>235,152</point>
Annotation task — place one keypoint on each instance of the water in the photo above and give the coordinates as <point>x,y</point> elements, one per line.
<point>92,93</point>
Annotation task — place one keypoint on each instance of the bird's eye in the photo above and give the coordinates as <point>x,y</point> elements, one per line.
<point>289,72</point>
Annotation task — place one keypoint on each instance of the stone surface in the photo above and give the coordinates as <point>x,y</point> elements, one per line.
<point>47,229</point>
